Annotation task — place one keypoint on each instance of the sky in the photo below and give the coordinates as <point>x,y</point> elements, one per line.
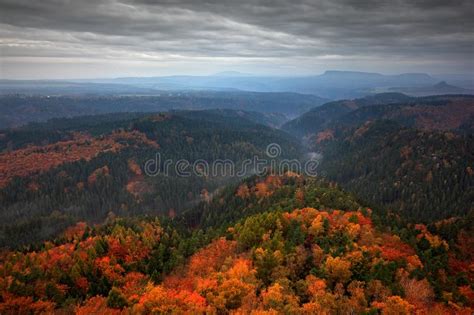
<point>58,39</point>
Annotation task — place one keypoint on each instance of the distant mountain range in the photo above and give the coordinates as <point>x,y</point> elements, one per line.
<point>331,84</point>
<point>437,89</point>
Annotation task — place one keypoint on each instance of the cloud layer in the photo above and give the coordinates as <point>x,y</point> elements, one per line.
<point>91,38</point>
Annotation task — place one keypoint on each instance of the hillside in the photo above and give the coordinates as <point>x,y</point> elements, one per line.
<point>411,155</point>
<point>300,255</point>
<point>433,112</point>
<point>64,171</point>
<point>424,175</point>
<point>17,110</point>
<point>273,120</point>
<point>319,118</point>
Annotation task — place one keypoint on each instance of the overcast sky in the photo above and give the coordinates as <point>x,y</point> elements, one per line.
<point>110,38</point>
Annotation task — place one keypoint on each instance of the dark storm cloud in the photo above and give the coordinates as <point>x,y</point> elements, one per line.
<point>432,32</point>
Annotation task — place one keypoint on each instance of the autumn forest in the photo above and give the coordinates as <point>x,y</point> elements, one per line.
<point>384,228</point>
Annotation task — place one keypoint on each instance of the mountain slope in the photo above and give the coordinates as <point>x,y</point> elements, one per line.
<point>82,169</point>
<point>268,119</point>
<point>319,118</point>
<point>411,156</point>
<point>443,112</point>
<point>301,260</point>
<point>425,176</point>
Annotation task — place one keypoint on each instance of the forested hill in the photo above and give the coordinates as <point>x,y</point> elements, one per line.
<point>318,118</point>
<point>422,175</point>
<point>57,129</point>
<point>445,112</point>
<point>17,110</point>
<point>268,119</point>
<point>294,245</point>
<point>57,173</point>
<point>412,155</point>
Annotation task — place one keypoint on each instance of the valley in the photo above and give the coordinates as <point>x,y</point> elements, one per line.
<point>385,226</point>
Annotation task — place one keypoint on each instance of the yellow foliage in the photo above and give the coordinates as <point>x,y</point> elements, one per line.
<point>338,269</point>
<point>394,305</point>
<point>353,229</point>
<point>231,294</point>
<point>276,298</point>
<point>242,270</point>
<point>317,225</point>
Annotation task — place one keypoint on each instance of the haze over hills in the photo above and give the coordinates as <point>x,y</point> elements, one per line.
<point>331,84</point>
<point>441,88</point>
